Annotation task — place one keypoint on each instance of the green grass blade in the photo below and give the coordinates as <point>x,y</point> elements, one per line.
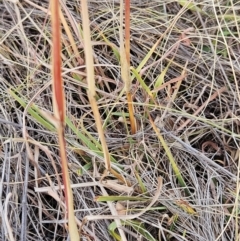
<point>95,147</point>
<point>160,79</point>
<point>171,158</point>
<point>33,111</point>
<point>83,138</point>
<point>139,228</point>
<point>140,182</point>
<point>190,6</point>
<point>111,228</point>
<point>119,198</point>
<point>142,83</point>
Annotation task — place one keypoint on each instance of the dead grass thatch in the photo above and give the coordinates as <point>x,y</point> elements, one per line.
<point>185,87</point>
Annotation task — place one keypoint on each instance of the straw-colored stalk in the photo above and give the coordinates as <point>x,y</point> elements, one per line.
<point>91,90</point>
<point>91,81</point>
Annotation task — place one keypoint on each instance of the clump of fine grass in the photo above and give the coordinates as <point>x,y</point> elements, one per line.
<point>185,91</point>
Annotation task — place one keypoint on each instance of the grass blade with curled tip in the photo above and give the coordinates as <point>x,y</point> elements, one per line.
<point>112,227</point>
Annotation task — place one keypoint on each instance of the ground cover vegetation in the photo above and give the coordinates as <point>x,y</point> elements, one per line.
<point>119,120</point>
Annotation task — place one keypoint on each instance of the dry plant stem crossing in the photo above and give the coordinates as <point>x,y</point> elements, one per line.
<point>52,191</point>
<point>92,92</point>
<point>212,97</point>
<point>193,151</point>
<point>170,157</point>
<point>205,151</point>
<point>130,216</point>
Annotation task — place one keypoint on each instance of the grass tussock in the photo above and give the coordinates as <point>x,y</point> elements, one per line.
<point>152,142</point>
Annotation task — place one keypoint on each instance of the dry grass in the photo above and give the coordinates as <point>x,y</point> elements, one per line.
<point>186,101</point>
